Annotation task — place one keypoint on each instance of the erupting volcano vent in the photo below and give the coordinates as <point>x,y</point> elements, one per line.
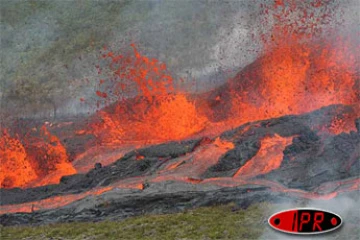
<point>156,114</point>
<point>42,160</point>
<point>288,123</point>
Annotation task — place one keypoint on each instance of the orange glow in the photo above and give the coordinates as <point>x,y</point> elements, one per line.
<point>58,201</point>
<point>296,78</point>
<point>169,117</point>
<point>139,157</point>
<point>173,165</point>
<point>304,66</point>
<point>155,115</point>
<point>49,158</point>
<point>49,203</point>
<point>149,75</point>
<point>190,167</point>
<point>39,162</point>
<point>343,124</point>
<point>223,144</point>
<point>307,69</point>
<point>268,158</point>
<point>15,169</point>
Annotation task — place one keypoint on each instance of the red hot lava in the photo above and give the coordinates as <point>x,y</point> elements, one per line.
<point>302,69</point>
<point>34,162</point>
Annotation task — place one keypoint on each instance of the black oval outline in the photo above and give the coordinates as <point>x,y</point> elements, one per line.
<point>306,233</point>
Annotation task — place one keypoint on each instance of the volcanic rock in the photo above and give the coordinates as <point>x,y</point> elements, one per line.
<point>313,161</point>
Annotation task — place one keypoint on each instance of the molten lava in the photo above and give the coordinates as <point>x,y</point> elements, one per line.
<point>49,158</point>
<point>293,78</point>
<point>302,69</point>
<point>15,169</point>
<point>168,117</point>
<point>268,158</point>
<point>156,115</point>
<point>305,65</point>
<point>39,161</point>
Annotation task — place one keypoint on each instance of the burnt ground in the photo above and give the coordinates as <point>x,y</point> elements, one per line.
<point>312,159</point>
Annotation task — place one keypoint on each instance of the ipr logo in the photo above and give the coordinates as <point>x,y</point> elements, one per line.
<point>305,221</point>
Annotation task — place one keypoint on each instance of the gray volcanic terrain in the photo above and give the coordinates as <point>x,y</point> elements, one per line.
<point>308,170</point>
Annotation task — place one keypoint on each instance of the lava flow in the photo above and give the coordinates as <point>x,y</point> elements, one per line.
<point>268,158</point>
<point>302,69</point>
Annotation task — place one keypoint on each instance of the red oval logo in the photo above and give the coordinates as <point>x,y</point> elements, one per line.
<point>305,221</point>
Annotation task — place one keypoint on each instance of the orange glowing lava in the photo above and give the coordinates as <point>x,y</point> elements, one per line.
<point>268,158</point>
<point>223,144</point>
<point>49,157</point>
<point>302,69</point>
<point>168,117</point>
<point>40,161</point>
<point>58,201</point>
<point>306,64</point>
<point>15,169</point>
